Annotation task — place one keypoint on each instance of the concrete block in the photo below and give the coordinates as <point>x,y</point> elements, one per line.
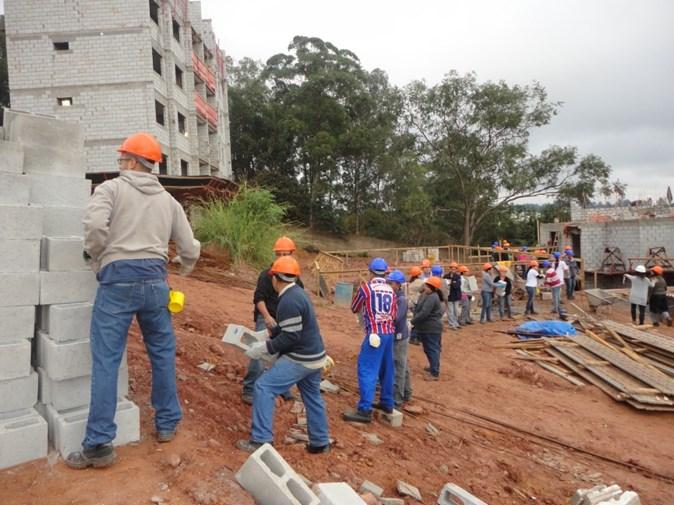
<point>63,222</point>
<point>14,360</point>
<point>18,394</point>
<point>20,222</point>
<point>405,489</point>
<point>19,256</point>
<point>391,501</point>
<point>59,191</point>
<point>17,323</point>
<point>62,254</point>
<point>596,495</point>
<point>269,478</point>
<point>14,189</point>
<point>65,322</point>
<point>22,438</point>
<point>50,146</point>
<point>65,360</point>
<point>452,494</point>
<point>546,295</point>
<point>67,287</point>
<point>371,487</point>
<point>67,427</point>
<point>73,393</point>
<point>395,419</point>
<point>11,157</point>
<point>337,493</point>
<point>241,337</point>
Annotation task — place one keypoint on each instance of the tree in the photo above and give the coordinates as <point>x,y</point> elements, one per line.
<point>474,137</point>
<point>4,76</point>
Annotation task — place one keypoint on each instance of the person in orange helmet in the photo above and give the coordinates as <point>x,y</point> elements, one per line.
<point>659,308</point>
<point>427,322</point>
<point>487,293</point>
<point>426,269</point>
<point>466,296</point>
<point>265,302</point>
<point>127,227</point>
<point>414,287</point>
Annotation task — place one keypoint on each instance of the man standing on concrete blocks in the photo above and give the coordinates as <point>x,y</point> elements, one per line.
<point>297,340</point>
<point>127,227</point>
<point>375,362</point>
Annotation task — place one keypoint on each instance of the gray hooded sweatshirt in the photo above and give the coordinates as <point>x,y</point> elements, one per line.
<point>134,217</point>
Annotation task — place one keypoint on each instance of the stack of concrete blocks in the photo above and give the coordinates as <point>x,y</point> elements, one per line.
<point>23,433</point>
<point>54,168</point>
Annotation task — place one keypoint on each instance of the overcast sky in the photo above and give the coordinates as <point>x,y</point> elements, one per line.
<point>610,61</point>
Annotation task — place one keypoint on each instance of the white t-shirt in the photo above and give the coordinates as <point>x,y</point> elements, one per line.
<point>561,268</point>
<point>532,278</point>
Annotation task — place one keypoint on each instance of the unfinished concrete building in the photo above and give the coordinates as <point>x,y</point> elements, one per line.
<point>120,66</point>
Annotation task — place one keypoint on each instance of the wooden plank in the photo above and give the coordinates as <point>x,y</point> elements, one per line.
<point>663,343</point>
<point>554,369</point>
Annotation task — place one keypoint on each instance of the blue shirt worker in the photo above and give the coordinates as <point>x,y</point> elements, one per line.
<point>127,227</point>
<point>402,385</point>
<point>377,301</point>
<point>297,341</point>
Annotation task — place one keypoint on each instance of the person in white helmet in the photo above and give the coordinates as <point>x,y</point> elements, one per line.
<point>638,292</point>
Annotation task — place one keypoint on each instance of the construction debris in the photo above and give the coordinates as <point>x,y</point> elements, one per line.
<point>605,495</point>
<point>405,489</point>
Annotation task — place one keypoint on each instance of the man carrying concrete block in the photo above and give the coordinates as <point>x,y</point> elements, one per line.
<point>127,227</point>
<point>297,340</point>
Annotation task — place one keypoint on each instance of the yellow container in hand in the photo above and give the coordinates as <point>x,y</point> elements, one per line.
<point>176,301</point>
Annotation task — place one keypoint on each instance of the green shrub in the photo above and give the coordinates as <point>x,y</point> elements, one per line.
<point>246,226</point>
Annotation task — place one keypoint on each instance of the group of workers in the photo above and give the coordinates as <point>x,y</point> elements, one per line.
<point>651,293</point>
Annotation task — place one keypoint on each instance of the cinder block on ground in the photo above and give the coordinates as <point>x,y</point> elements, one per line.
<point>67,428</point>
<point>19,289</point>
<point>452,494</point>
<point>76,392</point>
<point>241,337</point>
<point>64,360</point>
<point>546,295</point>
<point>19,256</point>
<point>395,419</point>
<point>18,394</point>
<point>63,221</point>
<point>14,360</point>
<point>269,478</point>
<point>59,191</point>
<point>67,287</point>
<point>14,189</point>
<point>20,222</point>
<point>22,438</point>
<point>17,323</point>
<point>65,322</point>
<point>337,493</point>
<point>371,487</point>
<point>11,157</point>
<point>50,146</point>
<point>62,254</point>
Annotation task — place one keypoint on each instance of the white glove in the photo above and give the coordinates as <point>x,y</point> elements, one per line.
<point>399,336</point>
<point>374,340</point>
<point>258,350</point>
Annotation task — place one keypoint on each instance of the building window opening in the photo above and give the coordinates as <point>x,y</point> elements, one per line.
<point>176,30</point>
<point>156,61</point>
<point>61,46</point>
<point>184,167</point>
<point>182,124</point>
<point>163,165</point>
<point>154,11</point>
<point>160,112</point>
<point>65,101</point>
<point>179,77</point>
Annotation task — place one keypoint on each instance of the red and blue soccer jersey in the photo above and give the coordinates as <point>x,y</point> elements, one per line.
<point>378,302</point>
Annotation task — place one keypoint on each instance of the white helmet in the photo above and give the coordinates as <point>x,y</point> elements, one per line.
<point>641,269</point>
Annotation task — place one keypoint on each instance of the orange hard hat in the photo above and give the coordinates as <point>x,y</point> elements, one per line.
<point>426,263</point>
<point>533,263</point>
<point>285,265</point>
<point>436,282</point>
<point>143,145</point>
<point>415,271</point>
<point>487,266</point>
<point>284,244</point>
<point>463,269</point>
<point>453,264</point>
<point>657,270</point>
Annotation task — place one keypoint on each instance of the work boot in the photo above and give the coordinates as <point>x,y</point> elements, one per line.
<point>432,378</point>
<point>383,408</point>
<point>317,449</point>
<point>249,446</point>
<point>358,416</point>
<point>247,398</point>
<point>164,436</point>
<point>669,321</point>
<point>100,456</point>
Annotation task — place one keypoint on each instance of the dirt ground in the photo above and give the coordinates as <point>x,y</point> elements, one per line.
<point>479,383</point>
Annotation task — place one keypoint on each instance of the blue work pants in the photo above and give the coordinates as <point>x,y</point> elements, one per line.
<point>376,363</point>
<point>485,313</point>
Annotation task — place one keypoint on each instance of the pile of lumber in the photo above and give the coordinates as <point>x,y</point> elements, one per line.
<point>629,364</point>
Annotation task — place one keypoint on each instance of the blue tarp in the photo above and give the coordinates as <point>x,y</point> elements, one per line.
<point>545,329</point>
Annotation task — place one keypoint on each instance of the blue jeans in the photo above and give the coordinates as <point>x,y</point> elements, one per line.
<point>570,287</point>
<point>432,343</point>
<point>505,306</point>
<point>279,378</point>
<point>556,299</point>
<point>485,313</point>
<point>115,306</point>
<point>531,292</point>
<point>376,363</point>
<point>453,314</point>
